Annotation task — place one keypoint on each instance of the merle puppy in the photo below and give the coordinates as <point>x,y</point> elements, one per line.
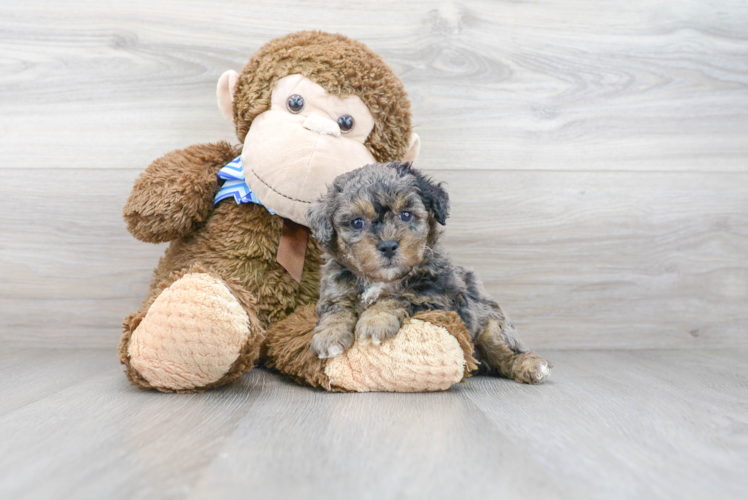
<point>379,226</point>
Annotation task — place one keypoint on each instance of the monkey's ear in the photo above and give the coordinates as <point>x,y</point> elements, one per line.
<point>414,148</point>
<point>225,93</point>
<point>319,219</point>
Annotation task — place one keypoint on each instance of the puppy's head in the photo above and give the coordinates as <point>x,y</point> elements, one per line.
<point>378,220</point>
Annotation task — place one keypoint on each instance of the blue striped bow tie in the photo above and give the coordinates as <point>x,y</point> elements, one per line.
<point>236,185</point>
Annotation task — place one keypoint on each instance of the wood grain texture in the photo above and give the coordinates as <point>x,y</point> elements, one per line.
<point>577,259</point>
<point>596,154</point>
<point>683,414</point>
<point>608,424</point>
<point>579,85</point>
<point>614,259</point>
<point>52,372</point>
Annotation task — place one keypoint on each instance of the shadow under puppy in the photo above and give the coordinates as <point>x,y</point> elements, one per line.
<point>379,226</point>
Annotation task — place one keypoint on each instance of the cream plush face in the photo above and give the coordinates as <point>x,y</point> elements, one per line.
<point>291,155</point>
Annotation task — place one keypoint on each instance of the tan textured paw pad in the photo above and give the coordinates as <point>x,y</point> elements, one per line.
<point>422,357</point>
<point>191,335</point>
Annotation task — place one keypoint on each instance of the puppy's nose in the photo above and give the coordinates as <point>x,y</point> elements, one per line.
<point>388,248</point>
<point>321,125</point>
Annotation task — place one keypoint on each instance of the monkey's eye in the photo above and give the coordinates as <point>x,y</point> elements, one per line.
<point>345,123</point>
<point>295,103</point>
<point>406,216</point>
<point>358,224</point>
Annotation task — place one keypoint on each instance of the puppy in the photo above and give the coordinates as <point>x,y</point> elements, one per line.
<point>379,226</point>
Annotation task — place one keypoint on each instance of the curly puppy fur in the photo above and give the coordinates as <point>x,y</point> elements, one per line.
<point>379,226</point>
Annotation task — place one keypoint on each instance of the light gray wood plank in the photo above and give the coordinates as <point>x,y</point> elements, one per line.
<point>609,424</point>
<point>634,424</point>
<point>577,259</point>
<point>374,446</point>
<point>67,262</point>
<point>103,438</point>
<point>608,259</point>
<point>495,84</point>
<point>29,375</point>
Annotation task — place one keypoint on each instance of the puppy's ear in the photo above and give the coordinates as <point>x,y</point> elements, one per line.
<point>319,219</point>
<point>435,198</point>
<point>320,214</point>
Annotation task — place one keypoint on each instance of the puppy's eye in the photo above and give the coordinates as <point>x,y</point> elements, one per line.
<point>406,216</point>
<point>295,104</point>
<point>345,123</point>
<point>358,224</point>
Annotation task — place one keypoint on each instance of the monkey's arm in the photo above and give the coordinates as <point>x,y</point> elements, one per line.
<point>174,195</point>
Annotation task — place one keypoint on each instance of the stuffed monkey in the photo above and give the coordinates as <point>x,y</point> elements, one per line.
<point>240,278</point>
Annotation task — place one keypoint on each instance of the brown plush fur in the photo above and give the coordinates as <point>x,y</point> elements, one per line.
<point>287,349</point>
<point>173,199</point>
<point>342,67</point>
<point>174,196</point>
<point>239,243</point>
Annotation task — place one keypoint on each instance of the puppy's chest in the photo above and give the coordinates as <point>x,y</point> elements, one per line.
<point>371,292</point>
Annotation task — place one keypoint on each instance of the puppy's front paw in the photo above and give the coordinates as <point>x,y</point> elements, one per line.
<point>330,342</point>
<point>376,326</point>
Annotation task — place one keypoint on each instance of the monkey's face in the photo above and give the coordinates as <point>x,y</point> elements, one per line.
<point>300,132</point>
<point>308,137</point>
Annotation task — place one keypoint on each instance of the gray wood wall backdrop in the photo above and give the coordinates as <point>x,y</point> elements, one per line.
<point>596,152</point>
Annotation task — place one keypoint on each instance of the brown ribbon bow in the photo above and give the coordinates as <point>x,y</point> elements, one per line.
<point>292,248</point>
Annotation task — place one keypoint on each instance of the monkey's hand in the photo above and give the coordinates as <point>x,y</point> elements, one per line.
<point>380,321</point>
<point>174,195</point>
<point>333,335</point>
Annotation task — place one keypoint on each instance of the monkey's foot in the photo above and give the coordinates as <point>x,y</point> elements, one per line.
<point>196,334</point>
<point>421,357</point>
<point>431,352</point>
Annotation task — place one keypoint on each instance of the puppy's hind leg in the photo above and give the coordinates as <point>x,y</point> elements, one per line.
<point>502,353</point>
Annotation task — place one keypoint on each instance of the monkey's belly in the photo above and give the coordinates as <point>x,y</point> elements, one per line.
<point>241,242</point>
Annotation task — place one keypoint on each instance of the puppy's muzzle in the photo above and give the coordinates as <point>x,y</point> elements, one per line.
<point>388,248</point>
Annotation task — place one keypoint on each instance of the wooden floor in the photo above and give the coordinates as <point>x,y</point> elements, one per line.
<point>609,424</point>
